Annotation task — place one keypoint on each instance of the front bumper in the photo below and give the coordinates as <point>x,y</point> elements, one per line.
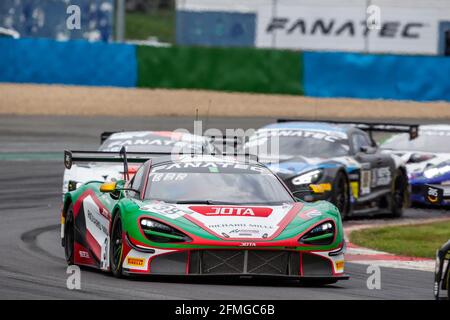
<point>306,193</point>
<point>310,192</point>
<point>418,194</point>
<point>238,262</point>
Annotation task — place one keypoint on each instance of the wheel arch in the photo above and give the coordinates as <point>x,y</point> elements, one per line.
<point>117,210</point>
<point>342,170</point>
<point>67,202</point>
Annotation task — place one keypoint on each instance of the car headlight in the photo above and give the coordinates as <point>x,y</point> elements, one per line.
<point>436,171</point>
<point>322,234</point>
<point>306,178</point>
<point>159,232</point>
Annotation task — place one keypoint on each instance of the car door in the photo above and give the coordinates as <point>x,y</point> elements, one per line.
<point>368,158</point>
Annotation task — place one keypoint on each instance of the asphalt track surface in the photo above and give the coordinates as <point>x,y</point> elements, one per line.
<point>32,264</point>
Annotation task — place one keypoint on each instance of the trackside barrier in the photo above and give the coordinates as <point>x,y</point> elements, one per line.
<point>75,62</point>
<point>317,74</point>
<point>370,76</point>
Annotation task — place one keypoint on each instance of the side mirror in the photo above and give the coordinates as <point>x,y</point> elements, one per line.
<point>108,187</point>
<point>368,149</point>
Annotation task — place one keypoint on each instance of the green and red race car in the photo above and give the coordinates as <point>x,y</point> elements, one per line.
<point>199,215</point>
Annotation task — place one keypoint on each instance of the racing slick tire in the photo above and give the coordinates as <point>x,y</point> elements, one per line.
<point>448,283</point>
<point>398,195</point>
<point>69,235</point>
<point>341,195</point>
<point>116,247</point>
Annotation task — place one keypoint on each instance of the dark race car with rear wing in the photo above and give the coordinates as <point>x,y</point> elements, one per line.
<point>199,215</point>
<point>338,161</point>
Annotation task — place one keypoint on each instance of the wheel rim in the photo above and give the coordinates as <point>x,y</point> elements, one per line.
<point>117,245</point>
<point>341,196</point>
<point>398,194</point>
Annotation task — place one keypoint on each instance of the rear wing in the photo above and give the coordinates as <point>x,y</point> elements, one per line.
<point>411,129</point>
<point>71,157</point>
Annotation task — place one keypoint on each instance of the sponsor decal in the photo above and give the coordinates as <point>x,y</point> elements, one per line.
<point>309,214</point>
<point>366,178</point>
<point>97,226</point>
<point>248,244</point>
<point>232,211</point>
<point>63,221</point>
<point>150,142</point>
<point>340,265</point>
<point>381,176</point>
<point>334,28</point>
<point>209,166</point>
<point>433,195</point>
<point>96,222</point>
<point>348,27</point>
<point>84,254</point>
<point>136,262</point>
<point>330,136</point>
<point>169,176</point>
<point>354,185</point>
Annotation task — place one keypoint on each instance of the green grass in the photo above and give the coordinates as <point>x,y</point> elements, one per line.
<point>415,241</point>
<point>140,26</point>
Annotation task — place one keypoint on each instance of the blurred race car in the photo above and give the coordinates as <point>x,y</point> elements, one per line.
<point>199,215</point>
<point>155,142</point>
<point>442,272</point>
<point>9,33</point>
<point>427,158</point>
<point>436,195</point>
<point>339,161</point>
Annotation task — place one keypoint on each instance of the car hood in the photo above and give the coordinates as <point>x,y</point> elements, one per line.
<point>290,166</point>
<point>229,222</point>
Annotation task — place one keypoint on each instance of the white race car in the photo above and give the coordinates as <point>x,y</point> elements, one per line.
<point>427,159</point>
<point>163,142</point>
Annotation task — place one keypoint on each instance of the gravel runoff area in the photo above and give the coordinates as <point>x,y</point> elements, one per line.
<point>27,99</point>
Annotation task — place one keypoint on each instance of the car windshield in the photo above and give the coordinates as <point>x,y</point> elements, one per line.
<point>427,141</point>
<point>299,143</point>
<point>216,183</point>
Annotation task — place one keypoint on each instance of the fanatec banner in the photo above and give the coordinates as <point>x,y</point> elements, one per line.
<point>402,26</point>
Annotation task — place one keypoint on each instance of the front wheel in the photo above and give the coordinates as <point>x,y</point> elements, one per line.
<point>398,195</point>
<point>340,197</point>
<point>69,235</point>
<point>116,247</point>
<point>448,283</point>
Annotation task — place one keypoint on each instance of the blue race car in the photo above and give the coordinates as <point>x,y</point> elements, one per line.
<point>335,161</point>
<point>427,160</point>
